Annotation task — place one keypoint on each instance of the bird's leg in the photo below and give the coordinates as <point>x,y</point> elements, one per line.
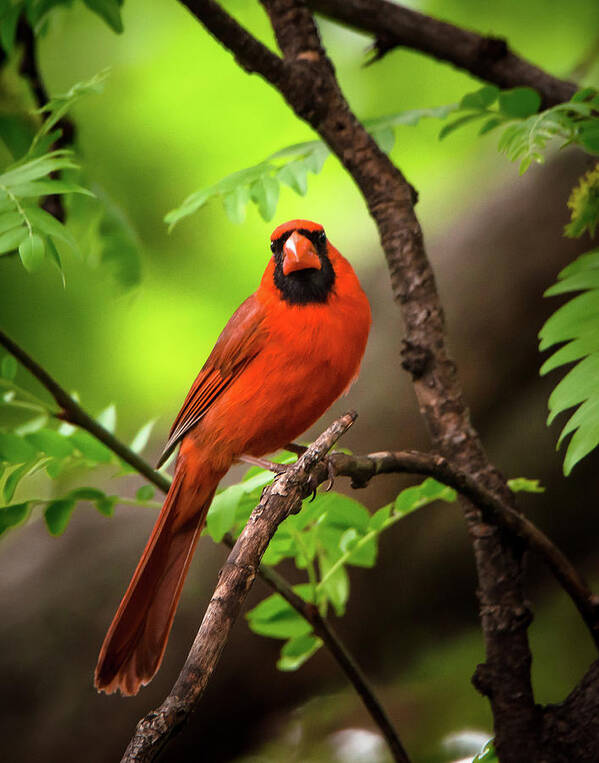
<point>264,463</point>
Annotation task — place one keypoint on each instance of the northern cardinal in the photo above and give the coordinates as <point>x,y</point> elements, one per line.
<point>288,352</point>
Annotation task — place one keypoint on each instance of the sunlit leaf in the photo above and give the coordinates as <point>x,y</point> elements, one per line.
<point>57,515</point>
<point>297,650</point>
<point>31,252</point>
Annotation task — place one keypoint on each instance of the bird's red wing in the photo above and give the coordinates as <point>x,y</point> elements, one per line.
<point>240,342</point>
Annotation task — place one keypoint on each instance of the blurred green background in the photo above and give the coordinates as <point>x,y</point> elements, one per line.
<point>176,115</point>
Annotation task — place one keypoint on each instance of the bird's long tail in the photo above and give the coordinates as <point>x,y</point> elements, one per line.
<point>134,645</point>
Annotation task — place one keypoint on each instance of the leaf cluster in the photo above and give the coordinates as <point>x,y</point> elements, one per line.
<point>575,326</point>
<point>526,131</point>
<point>36,14</point>
<point>331,533</point>
<point>34,443</point>
<point>290,166</point>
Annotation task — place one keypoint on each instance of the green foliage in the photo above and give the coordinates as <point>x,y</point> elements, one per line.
<point>329,533</point>
<point>575,326</point>
<point>95,225</point>
<point>526,133</point>
<point>36,14</point>
<point>30,443</point>
<point>289,166</point>
<point>584,205</point>
<point>525,485</point>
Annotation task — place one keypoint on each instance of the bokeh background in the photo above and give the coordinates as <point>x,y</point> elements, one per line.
<point>176,115</point>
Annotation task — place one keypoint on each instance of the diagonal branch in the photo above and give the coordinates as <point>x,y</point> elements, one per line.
<point>311,89</point>
<point>488,58</point>
<point>280,499</point>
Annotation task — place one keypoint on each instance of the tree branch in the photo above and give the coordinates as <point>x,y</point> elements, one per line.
<point>308,84</point>
<point>488,58</point>
<point>362,468</point>
<point>280,499</point>
<point>71,411</point>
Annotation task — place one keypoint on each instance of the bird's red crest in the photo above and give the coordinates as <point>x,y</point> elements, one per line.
<point>292,225</point>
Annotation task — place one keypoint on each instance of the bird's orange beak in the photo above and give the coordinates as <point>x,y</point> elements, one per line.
<point>299,254</point>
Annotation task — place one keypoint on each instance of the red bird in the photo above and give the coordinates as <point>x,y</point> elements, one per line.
<point>288,352</point>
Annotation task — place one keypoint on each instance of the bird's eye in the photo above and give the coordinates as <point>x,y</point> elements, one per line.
<point>322,237</point>
<point>273,246</point>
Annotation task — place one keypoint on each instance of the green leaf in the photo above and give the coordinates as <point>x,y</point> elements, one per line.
<point>31,252</point>
<point>519,102</point>
<point>106,504</point>
<point>584,205</point>
<point>49,225</point>
<point>9,18</point>
<point>385,137</point>
<point>315,160</point>
<point>24,171</point>
<point>589,136</point>
<point>8,367</point>
<point>142,437</point>
<point>55,257</point>
<point>10,220</point>
<point>47,187</point>
<point>489,125</point>
<point>295,175</point>
<point>109,11</point>
<point>460,122</point>
<point>415,497</point>
<point>336,585</point>
<point>480,99</point>
<point>221,515</point>
<point>276,618</point>
<point>11,516</point>
<point>364,553</point>
<point>52,443</point>
<point>90,448</point>
<point>344,512</point>
<point>15,449</point>
<point>11,240</point>
<point>58,513</point>
<point>265,194</point>
<point>523,484</point>
<point>107,418</point>
<point>145,493</point>
<point>10,475</point>
<point>235,203</point>
<point>577,323</point>
<point>297,650</point>
<point>379,518</point>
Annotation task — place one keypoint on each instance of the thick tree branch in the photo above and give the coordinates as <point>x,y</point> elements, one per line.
<point>71,411</point>
<point>280,499</point>
<point>362,468</point>
<point>488,58</point>
<point>310,88</point>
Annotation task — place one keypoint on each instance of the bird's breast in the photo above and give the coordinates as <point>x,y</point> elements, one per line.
<point>311,355</point>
